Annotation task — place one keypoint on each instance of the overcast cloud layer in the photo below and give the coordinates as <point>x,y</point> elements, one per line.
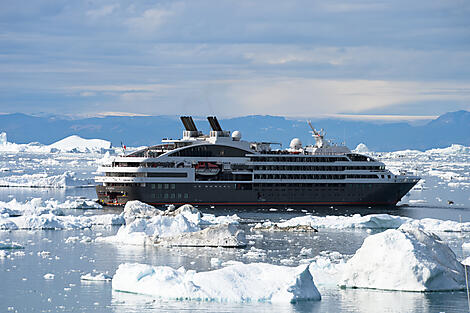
<point>291,58</point>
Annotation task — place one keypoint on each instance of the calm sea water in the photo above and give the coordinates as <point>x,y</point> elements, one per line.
<point>23,288</point>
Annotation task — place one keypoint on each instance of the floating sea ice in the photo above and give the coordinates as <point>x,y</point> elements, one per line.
<point>372,221</point>
<point>64,180</point>
<point>49,276</point>
<point>224,235</point>
<point>97,277</point>
<point>72,239</point>
<point>407,259</point>
<point>10,245</point>
<point>216,262</point>
<point>145,224</point>
<point>236,283</point>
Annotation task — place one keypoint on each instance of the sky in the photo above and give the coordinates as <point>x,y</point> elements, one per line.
<point>294,58</point>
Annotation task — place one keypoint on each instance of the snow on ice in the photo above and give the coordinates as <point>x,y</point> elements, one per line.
<point>237,283</point>
<point>148,225</point>
<point>407,259</point>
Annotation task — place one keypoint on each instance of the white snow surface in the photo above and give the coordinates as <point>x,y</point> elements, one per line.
<point>407,259</point>
<point>256,282</point>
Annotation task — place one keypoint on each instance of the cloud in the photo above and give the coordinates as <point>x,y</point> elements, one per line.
<point>149,22</point>
<point>102,11</point>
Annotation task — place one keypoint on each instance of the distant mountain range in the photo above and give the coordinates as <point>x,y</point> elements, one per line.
<point>450,128</point>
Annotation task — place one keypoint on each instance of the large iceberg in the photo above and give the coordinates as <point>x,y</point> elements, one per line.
<point>237,283</point>
<point>77,144</point>
<point>407,259</point>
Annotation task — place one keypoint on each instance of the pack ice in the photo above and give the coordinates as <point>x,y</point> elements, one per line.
<point>39,214</point>
<point>357,221</point>
<point>407,259</point>
<point>176,227</point>
<point>256,282</point>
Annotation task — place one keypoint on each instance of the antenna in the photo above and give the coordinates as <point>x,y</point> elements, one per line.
<point>313,129</point>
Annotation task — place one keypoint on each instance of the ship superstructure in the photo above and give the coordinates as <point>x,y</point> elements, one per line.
<point>222,169</point>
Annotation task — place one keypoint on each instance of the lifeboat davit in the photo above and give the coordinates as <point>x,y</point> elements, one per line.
<point>207,169</point>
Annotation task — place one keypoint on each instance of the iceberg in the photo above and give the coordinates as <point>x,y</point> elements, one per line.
<point>147,225</point>
<point>361,148</point>
<point>256,282</point>
<point>407,259</point>
<point>75,143</point>
<point>223,235</point>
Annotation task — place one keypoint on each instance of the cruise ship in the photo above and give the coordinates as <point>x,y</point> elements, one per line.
<point>222,169</point>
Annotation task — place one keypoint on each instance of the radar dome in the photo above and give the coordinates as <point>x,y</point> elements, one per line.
<point>236,135</point>
<point>295,144</point>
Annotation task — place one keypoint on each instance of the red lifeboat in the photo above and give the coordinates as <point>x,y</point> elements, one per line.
<point>207,169</point>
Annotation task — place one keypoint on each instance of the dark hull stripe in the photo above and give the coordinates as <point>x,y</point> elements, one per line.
<point>269,203</point>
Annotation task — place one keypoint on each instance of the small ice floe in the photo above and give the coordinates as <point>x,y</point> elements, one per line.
<point>466,246</point>
<point>49,276</point>
<point>257,282</point>
<point>224,235</point>
<point>305,251</point>
<point>96,277</point>
<point>72,239</point>
<point>466,262</point>
<point>407,259</point>
<point>216,262</point>
<point>10,245</point>
<point>44,254</point>
<point>255,253</point>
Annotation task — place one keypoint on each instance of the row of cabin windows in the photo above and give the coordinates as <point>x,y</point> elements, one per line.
<point>315,168</point>
<point>144,174</point>
<point>170,196</point>
<point>282,186</point>
<point>297,159</point>
<point>144,164</point>
<point>311,176</point>
<point>163,186</point>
